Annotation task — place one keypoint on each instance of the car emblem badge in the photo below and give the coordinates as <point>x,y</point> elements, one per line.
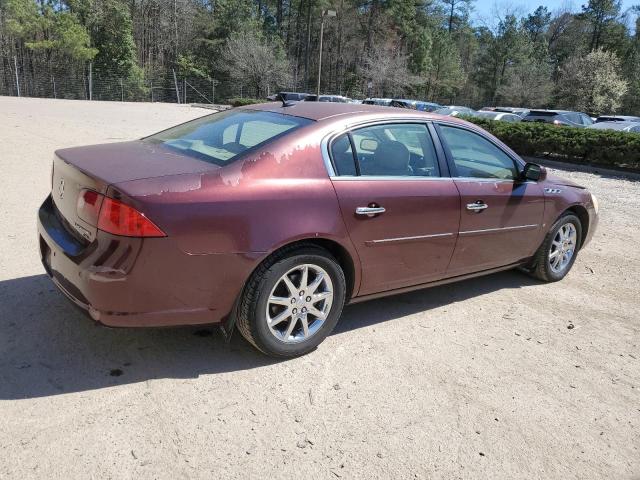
<point>61,188</point>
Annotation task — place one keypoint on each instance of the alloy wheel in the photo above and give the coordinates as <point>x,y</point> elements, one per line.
<point>299,303</point>
<point>562,247</point>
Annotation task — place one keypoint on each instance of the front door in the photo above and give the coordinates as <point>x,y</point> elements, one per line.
<point>401,214</point>
<point>500,215</point>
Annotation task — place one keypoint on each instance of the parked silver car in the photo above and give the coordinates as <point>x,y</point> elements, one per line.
<point>617,118</point>
<point>521,112</point>
<point>501,116</point>
<point>621,126</point>
<point>559,117</point>
<point>455,110</point>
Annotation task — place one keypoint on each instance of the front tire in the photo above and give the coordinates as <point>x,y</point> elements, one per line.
<point>292,301</point>
<point>558,252</point>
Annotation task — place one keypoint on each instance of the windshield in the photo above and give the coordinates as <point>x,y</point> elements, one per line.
<point>221,137</point>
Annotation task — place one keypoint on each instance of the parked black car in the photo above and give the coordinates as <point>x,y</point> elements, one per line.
<point>288,96</point>
<point>383,102</point>
<point>559,117</point>
<point>415,104</point>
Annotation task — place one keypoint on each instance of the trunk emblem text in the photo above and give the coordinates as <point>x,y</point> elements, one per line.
<point>61,188</point>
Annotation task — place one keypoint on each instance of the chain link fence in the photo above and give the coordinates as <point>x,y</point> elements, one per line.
<point>86,83</point>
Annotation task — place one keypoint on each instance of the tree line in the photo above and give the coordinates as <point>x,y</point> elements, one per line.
<point>425,49</point>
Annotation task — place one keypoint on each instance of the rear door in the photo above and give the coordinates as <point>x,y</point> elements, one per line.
<point>400,209</point>
<point>500,216</point>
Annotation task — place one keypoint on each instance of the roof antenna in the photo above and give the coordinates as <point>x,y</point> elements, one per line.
<point>280,97</point>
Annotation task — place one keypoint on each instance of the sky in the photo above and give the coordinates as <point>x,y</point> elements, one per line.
<point>483,9</point>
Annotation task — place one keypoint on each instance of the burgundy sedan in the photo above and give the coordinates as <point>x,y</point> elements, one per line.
<point>273,217</point>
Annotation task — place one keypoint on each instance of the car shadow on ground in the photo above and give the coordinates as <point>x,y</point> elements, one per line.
<point>47,347</point>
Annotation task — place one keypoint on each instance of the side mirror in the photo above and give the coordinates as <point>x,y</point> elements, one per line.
<point>534,172</point>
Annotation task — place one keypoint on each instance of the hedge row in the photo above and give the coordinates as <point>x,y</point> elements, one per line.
<point>240,102</point>
<point>583,145</point>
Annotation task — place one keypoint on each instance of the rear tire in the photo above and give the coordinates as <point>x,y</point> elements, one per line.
<point>559,250</point>
<point>292,301</point>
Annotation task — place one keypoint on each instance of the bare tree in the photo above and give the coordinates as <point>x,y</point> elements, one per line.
<point>387,70</point>
<point>256,62</point>
<point>527,84</point>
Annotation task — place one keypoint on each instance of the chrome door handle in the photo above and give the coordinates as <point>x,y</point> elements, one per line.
<point>477,207</point>
<point>369,211</point>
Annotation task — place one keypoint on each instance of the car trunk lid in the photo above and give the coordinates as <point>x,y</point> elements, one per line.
<point>98,166</point>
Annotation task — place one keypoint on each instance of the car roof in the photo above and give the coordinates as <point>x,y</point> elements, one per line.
<point>322,111</point>
<point>614,125</point>
<point>494,113</point>
<point>511,109</point>
<point>540,110</point>
<point>629,118</point>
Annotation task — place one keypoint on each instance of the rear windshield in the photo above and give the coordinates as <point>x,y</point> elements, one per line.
<point>221,137</point>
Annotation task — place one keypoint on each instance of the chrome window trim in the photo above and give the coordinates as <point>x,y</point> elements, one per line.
<point>325,145</point>
<point>491,180</point>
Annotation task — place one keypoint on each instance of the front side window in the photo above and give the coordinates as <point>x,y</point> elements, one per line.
<point>476,157</point>
<point>221,137</point>
<point>574,118</point>
<point>395,150</point>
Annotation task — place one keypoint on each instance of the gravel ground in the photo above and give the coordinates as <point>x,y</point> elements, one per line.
<point>497,377</point>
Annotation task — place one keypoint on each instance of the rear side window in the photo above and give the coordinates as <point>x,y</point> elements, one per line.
<point>396,150</point>
<point>221,137</point>
<point>573,118</point>
<point>342,156</point>
<point>586,120</point>
<point>476,157</point>
<point>536,116</point>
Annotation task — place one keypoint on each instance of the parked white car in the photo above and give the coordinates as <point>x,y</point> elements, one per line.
<point>502,116</point>
<point>633,127</point>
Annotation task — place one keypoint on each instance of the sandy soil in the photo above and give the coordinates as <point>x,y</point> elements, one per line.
<point>498,377</point>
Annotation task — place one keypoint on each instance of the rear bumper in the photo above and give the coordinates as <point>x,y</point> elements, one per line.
<point>134,282</point>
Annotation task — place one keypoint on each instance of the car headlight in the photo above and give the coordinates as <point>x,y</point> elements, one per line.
<point>594,200</point>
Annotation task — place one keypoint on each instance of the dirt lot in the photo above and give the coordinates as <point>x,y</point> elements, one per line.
<point>498,377</point>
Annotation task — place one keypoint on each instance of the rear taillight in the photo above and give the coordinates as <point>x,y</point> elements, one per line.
<point>115,217</point>
<point>121,219</point>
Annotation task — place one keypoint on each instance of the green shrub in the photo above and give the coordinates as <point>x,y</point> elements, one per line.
<point>239,102</point>
<point>583,145</point>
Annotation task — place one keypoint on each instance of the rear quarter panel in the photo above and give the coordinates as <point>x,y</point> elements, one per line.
<point>253,206</point>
